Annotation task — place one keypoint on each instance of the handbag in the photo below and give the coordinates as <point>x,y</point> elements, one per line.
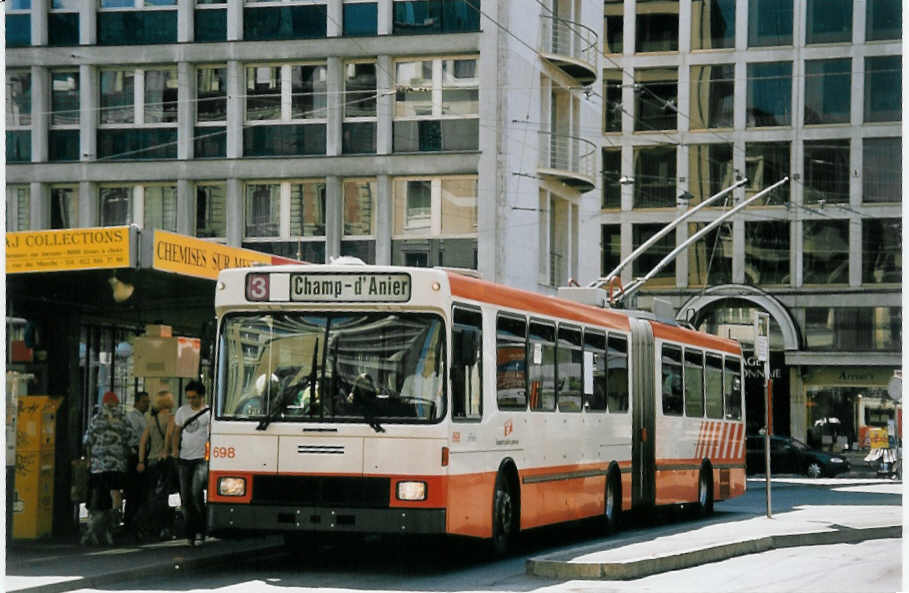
<point>166,482</point>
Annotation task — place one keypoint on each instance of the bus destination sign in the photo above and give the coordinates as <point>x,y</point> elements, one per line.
<point>350,287</point>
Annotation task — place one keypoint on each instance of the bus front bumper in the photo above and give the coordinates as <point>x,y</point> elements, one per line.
<point>268,518</point>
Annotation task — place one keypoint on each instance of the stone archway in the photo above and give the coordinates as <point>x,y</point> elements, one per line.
<point>693,308</point>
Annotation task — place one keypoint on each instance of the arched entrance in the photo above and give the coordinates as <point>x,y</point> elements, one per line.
<point>728,311</point>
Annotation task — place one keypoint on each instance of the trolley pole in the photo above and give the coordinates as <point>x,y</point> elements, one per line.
<point>762,353</point>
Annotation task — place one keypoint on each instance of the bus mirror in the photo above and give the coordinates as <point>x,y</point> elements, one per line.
<point>466,341</point>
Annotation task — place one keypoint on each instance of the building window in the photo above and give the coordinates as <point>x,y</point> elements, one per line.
<point>288,20</point>
<point>766,252</point>
<point>712,96</point>
<point>436,105</point>
<point>825,257</point>
<point>826,171</point>
<point>358,218</point>
<point>611,246</point>
<point>654,177</point>
<point>769,23</point>
<point>656,91</point>
<point>263,209</point>
<point>882,167</point>
<point>828,85</point>
<point>765,164</point>
<point>648,260</point>
<point>115,205</point>
<point>883,88</point>
<point>829,21</point>
<point>853,329</point>
<point>882,250</point>
<point>710,258</point>
<point>612,105</point>
<point>308,92</point>
<point>360,92</point>
<point>612,172</point>
<point>143,130</point>
<point>712,24</point>
<point>360,19</point>
<point>883,20</point>
<point>435,221</point>
<point>613,25</point>
<point>18,207</point>
<point>210,21</point>
<point>137,22</point>
<point>210,134</point>
<point>710,170</point>
<point>161,96</point>
<point>63,144</point>
<point>307,209</point>
<point>159,207</point>
<point>117,97</point>
<point>18,116</point>
<point>211,219</point>
<point>769,94</point>
<point>63,23</point>
<point>418,17</point>
<point>263,93</point>
<point>64,210</point>
<point>18,23</point>
<point>657,25</point>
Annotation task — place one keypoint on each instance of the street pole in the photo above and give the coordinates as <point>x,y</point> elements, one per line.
<point>762,352</point>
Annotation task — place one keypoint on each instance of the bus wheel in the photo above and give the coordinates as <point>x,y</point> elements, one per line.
<point>504,515</point>
<point>705,491</point>
<point>613,503</point>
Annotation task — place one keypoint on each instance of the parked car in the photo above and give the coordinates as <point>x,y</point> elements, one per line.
<point>791,456</point>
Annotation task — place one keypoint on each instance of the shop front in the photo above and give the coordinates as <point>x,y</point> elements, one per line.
<point>79,304</point>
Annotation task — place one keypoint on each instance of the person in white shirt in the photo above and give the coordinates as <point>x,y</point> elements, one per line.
<point>187,434</point>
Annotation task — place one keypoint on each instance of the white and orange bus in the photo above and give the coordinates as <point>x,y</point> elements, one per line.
<point>379,399</point>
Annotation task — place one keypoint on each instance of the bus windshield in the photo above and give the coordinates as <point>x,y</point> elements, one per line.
<point>372,367</point>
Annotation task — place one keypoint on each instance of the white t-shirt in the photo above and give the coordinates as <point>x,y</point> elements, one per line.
<point>194,434</point>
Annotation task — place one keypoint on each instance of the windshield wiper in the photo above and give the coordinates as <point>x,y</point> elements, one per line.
<point>282,397</point>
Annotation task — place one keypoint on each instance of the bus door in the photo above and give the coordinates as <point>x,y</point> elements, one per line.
<point>643,419</point>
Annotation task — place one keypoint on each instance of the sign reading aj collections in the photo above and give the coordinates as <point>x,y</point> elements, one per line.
<point>68,249</point>
<point>194,257</point>
<point>350,287</point>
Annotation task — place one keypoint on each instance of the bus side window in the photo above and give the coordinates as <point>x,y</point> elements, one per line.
<point>568,371</point>
<point>672,380</point>
<point>713,375</point>
<point>617,374</point>
<point>511,363</point>
<point>595,354</point>
<point>467,365</point>
<point>732,388</point>
<point>694,383</point>
<point>541,370</point>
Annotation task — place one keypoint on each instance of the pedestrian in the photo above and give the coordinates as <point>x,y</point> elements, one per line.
<point>187,435</point>
<point>106,444</point>
<point>134,489</point>
<point>155,464</point>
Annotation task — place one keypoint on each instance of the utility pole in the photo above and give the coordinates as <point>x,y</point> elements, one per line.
<point>762,353</point>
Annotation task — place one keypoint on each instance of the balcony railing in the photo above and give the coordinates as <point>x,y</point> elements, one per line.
<point>570,159</point>
<point>570,46</point>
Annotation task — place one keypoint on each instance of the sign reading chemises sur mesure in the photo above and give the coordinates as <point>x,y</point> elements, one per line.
<point>68,249</point>
<point>194,257</point>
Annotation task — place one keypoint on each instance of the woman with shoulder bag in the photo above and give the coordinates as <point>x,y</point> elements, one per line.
<point>155,461</point>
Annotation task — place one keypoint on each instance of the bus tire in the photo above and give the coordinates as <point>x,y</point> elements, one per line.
<point>505,513</point>
<point>705,491</point>
<point>612,503</point>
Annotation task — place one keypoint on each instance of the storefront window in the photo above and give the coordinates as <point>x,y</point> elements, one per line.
<point>825,257</point>
<point>657,25</point>
<point>656,99</point>
<point>640,233</point>
<point>882,250</point>
<point>829,21</point>
<point>712,24</point>
<point>710,258</point>
<point>828,85</point>
<point>765,164</point>
<point>827,171</point>
<point>769,100</point>
<point>882,166</point>
<point>654,177</point>
<point>766,252</point>
<point>852,329</point>
<point>712,96</point>
<point>769,22</point>
<point>613,25</point>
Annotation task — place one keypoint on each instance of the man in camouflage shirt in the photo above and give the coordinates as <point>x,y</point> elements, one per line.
<point>106,443</point>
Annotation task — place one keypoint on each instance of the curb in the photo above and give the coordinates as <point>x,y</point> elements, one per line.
<point>634,569</point>
<point>175,566</point>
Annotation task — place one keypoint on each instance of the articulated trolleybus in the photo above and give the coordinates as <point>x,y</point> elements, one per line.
<point>378,399</point>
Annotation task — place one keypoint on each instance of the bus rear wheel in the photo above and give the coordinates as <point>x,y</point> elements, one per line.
<point>504,517</point>
<point>612,506</point>
<point>705,492</point>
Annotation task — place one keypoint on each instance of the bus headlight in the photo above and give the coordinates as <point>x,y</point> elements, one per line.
<point>232,486</point>
<point>411,490</point>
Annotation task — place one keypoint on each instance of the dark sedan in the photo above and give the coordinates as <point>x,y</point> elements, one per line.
<point>791,456</point>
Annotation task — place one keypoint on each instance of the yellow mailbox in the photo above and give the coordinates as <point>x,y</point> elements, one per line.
<point>33,500</point>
